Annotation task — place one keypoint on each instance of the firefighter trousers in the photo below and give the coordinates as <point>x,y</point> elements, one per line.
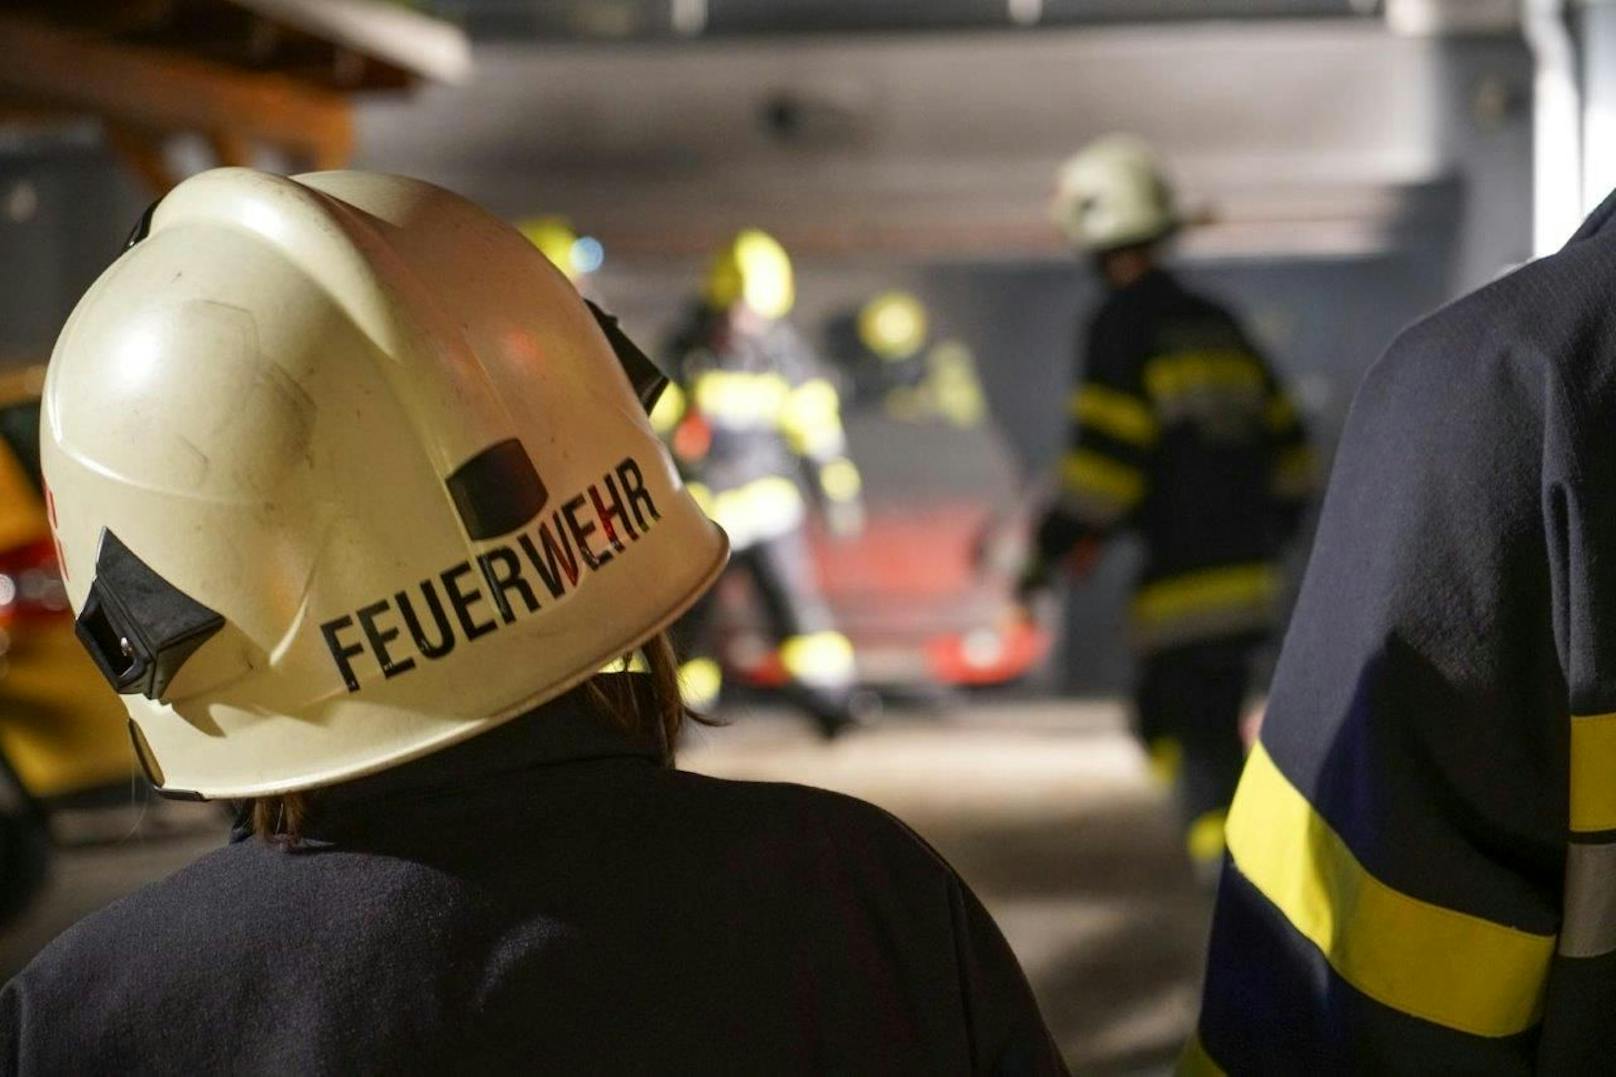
<point>818,660</point>
<point>1188,704</point>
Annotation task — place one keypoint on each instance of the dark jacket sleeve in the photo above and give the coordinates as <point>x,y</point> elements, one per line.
<point>1397,848</point>
<point>1104,472</point>
<point>1007,1032</point>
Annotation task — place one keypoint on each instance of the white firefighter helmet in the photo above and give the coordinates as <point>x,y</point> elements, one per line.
<point>1113,193</point>
<point>343,471</point>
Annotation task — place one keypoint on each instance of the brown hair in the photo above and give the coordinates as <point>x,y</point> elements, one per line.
<point>280,819</point>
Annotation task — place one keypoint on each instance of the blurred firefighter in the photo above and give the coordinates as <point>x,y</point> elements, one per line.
<point>749,407</point>
<point>886,347</point>
<point>1182,432</point>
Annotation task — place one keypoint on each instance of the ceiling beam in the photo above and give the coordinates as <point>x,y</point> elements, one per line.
<point>157,89</point>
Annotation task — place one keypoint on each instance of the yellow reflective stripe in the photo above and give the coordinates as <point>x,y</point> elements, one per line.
<point>818,657</point>
<point>1204,840</point>
<point>1195,1062</point>
<point>840,480</point>
<point>629,663</point>
<point>1089,473</point>
<point>1447,967</point>
<point>1202,592</point>
<point>811,417</point>
<point>669,409</point>
<point>1593,773</point>
<point>1182,373</point>
<point>700,681</point>
<point>1295,472</point>
<point>1165,756</point>
<point>1116,414</point>
<point>761,508</point>
<point>702,495</point>
<point>739,397</point>
<point>1280,413</point>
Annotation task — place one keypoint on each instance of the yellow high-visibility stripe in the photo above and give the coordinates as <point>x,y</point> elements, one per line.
<point>669,409</point>
<point>1116,414</point>
<point>1593,773</point>
<point>1447,967</point>
<point>1207,836</point>
<point>1089,473</point>
<point>1181,373</point>
<point>811,417</point>
<point>1195,1062</point>
<point>700,682</point>
<point>818,658</point>
<point>1206,591</point>
<point>1295,472</point>
<point>840,480</point>
<point>739,397</point>
<point>1280,413</point>
<point>629,663</point>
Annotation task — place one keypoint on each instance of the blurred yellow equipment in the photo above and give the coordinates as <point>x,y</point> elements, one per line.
<point>893,325</point>
<point>753,269</point>
<point>61,728</point>
<point>557,241</point>
<point>1113,193</point>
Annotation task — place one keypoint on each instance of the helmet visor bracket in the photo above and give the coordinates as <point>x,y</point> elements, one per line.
<point>643,373</point>
<point>139,628</point>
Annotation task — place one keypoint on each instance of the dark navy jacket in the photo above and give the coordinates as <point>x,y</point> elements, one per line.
<point>1422,873</point>
<point>545,898</point>
<point>1182,432</point>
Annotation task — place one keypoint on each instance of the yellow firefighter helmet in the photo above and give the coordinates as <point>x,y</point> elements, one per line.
<point>752,268</point>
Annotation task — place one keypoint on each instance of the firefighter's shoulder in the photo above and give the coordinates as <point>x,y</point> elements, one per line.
<point>1534,327</point>
<point>789,822</point>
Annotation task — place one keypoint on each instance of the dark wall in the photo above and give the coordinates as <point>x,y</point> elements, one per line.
<point>64,213</point>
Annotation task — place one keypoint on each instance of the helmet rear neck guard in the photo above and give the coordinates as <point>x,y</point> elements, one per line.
<point>342,472</point>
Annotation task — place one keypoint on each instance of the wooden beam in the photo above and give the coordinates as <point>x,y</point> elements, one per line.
<point>142,151</point>
<point>157,89</point>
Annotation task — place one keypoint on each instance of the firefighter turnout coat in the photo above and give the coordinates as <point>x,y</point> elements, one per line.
<point>1181,431</point>
<point>1422,852</point>
<point>548,896</point>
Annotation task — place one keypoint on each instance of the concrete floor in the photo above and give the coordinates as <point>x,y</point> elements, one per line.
<point>1045,808</point>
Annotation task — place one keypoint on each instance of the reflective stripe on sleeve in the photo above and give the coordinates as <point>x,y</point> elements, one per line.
<point>1119,415</point>
<point>700,682</point>
<point>1205,605</point>
<point>1280,413</point>
<point>1447,967</point>
<point>740,399</point>
<point>1295,473</point>
<point>1593,773</point>
<point>819,659</point>
<point>1101,478</point>
<point>1179,374</point>
<point>811,419</point>
<point>1589,925</point>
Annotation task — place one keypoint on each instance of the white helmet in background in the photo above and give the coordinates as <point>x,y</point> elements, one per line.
<point>343,471</point>
<point>1113,193</point>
